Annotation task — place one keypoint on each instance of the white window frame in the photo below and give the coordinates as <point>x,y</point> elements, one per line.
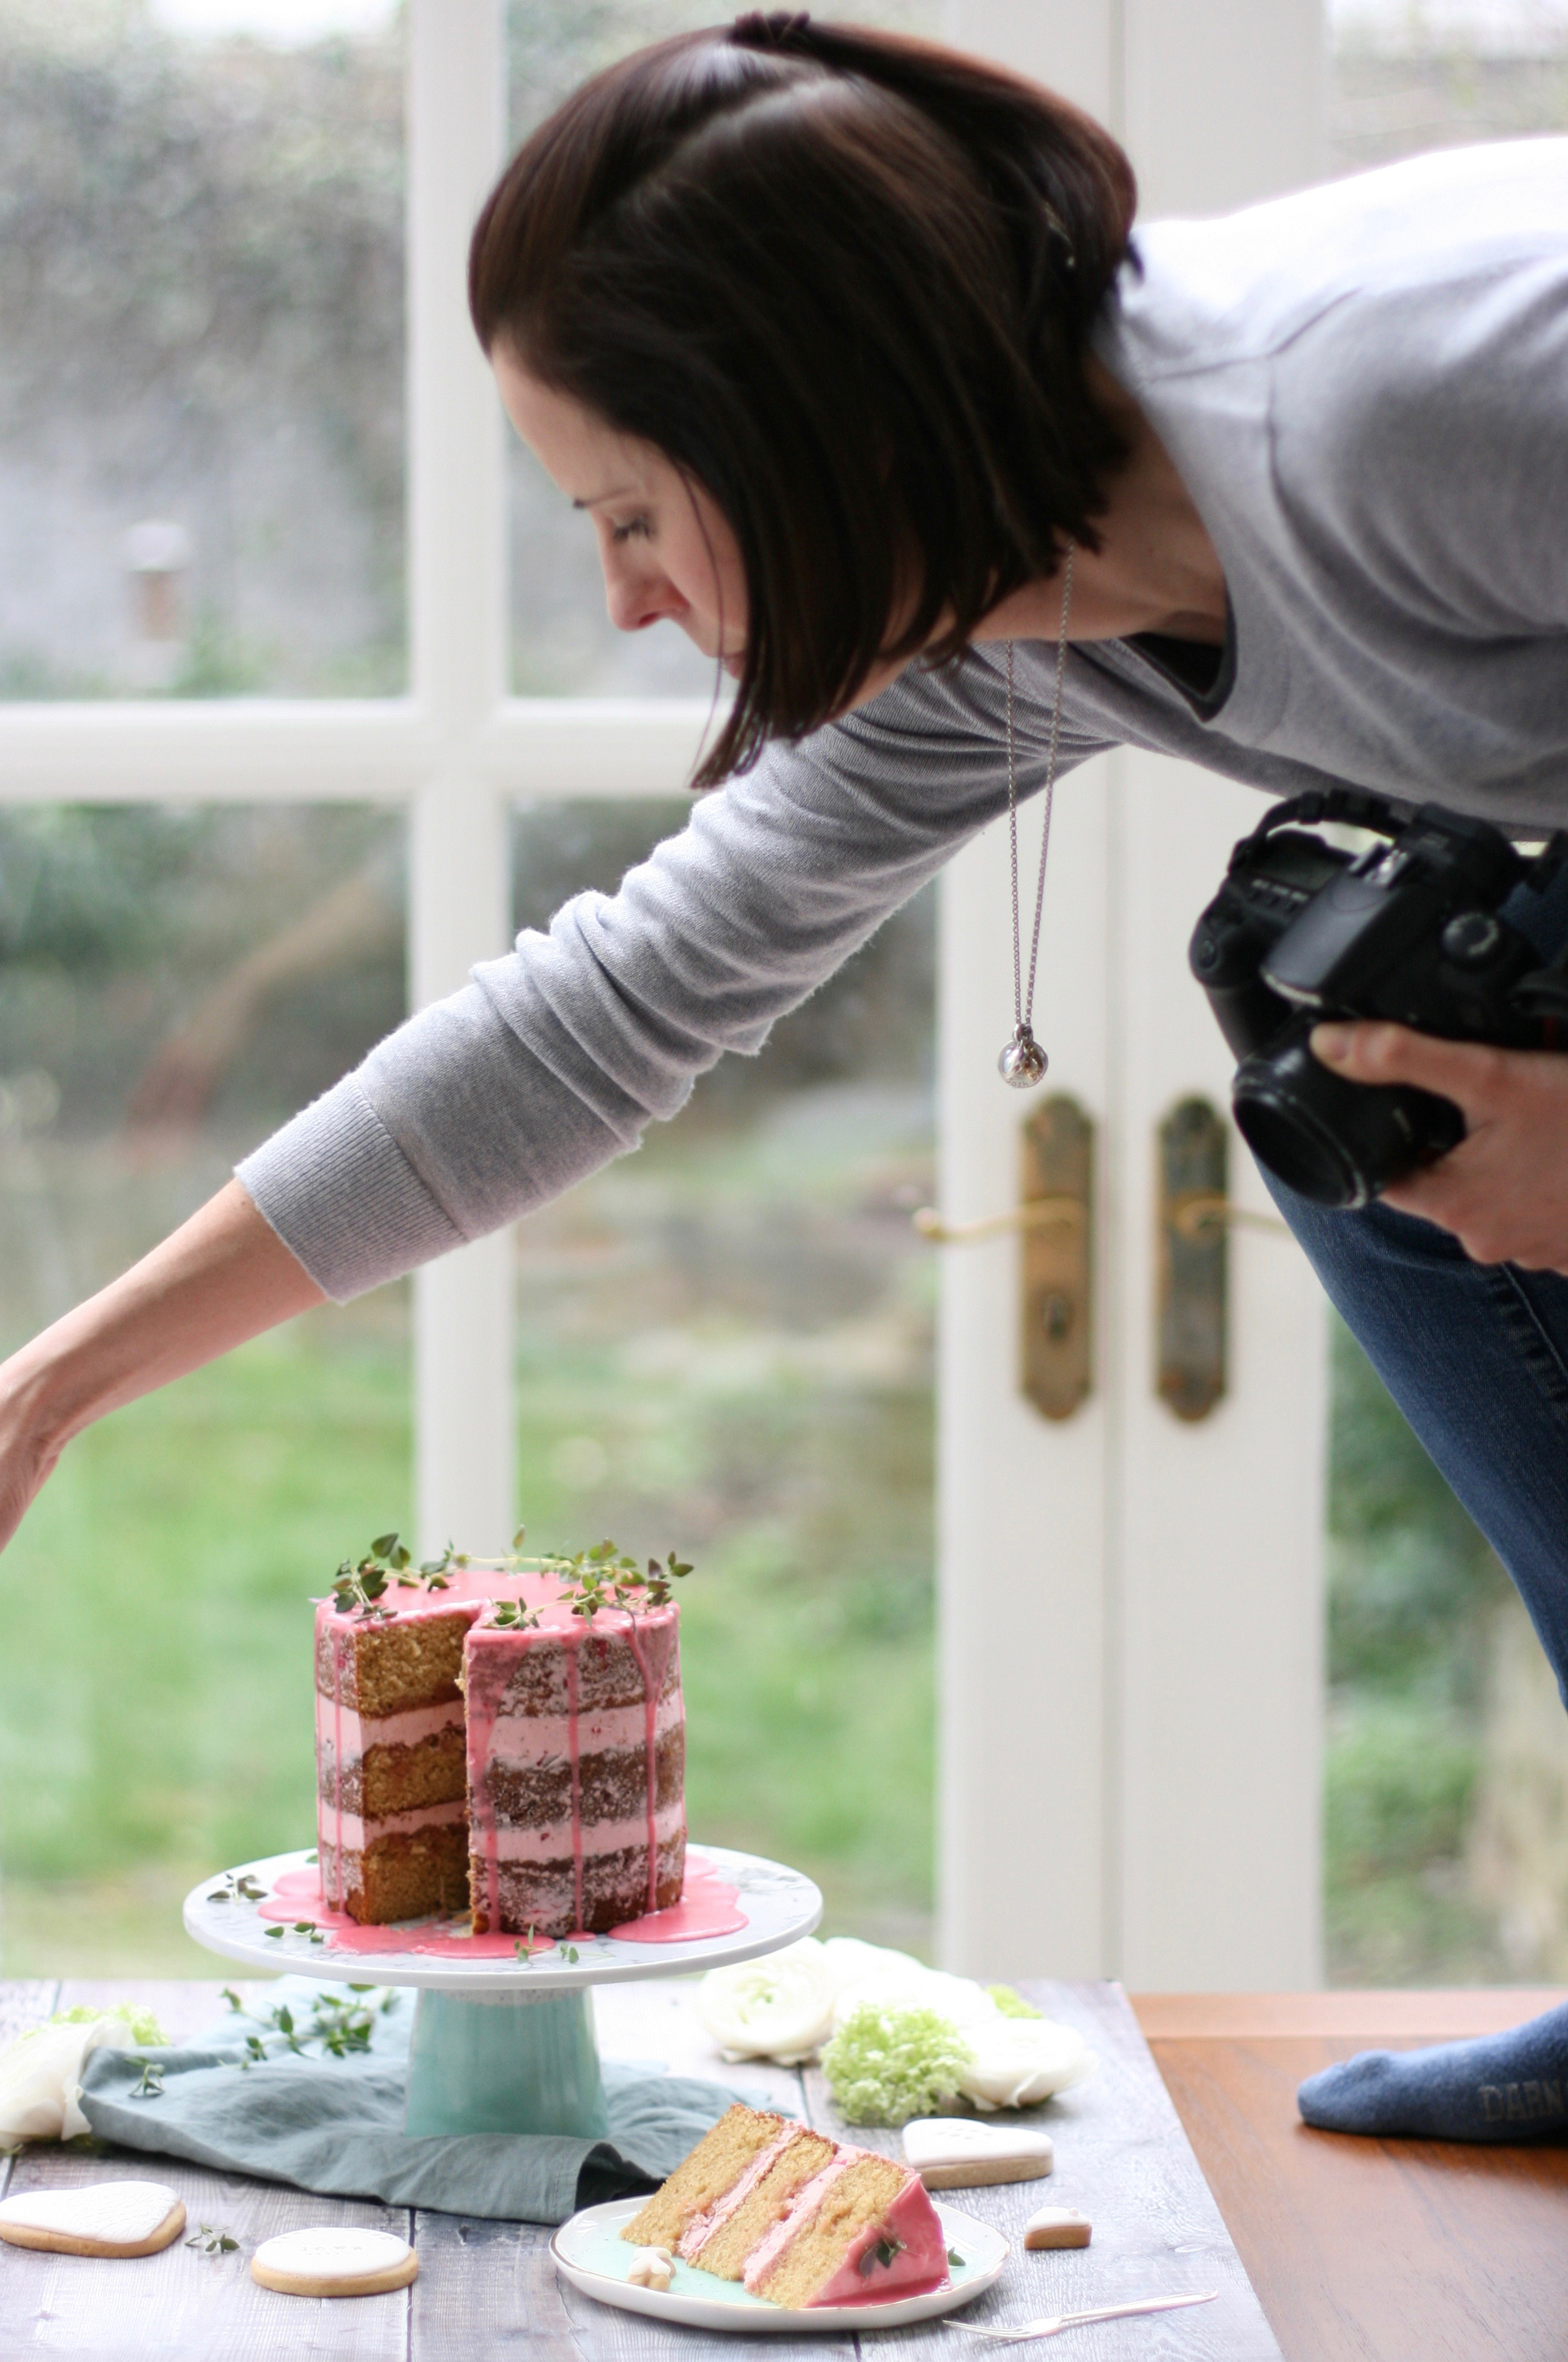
<point>456,752</point>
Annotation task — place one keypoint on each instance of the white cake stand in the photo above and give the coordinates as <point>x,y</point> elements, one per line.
<point>503,2046</point>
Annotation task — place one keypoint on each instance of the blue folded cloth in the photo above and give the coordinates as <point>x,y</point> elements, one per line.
<point>335,2124</point>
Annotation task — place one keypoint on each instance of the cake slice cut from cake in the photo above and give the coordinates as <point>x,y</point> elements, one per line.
<point>800,2219</point>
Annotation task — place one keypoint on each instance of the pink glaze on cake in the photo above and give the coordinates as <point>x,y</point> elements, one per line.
<point>920,2266</point>
<point>910,2224</point>
<point>520,1747</point>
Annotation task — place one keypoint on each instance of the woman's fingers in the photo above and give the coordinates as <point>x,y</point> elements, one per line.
<point>1471,1074</point>
<point>1504,1190</point>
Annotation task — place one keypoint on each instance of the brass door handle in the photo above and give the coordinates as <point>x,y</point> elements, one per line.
<point>1193,1211</point>
<point>1066,1212</point>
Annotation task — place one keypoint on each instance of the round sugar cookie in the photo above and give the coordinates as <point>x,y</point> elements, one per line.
<point>104,2218</point>
<point>334,2261</point>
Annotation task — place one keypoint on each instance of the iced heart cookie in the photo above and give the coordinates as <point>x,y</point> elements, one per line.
<point>331,2262</point>
<point>1057,2226</point>
<point>954,2153</point>
<point>106,2218</point>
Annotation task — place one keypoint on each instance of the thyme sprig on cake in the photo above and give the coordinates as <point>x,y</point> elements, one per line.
<point>603,1576</point>
<point>591,1579</point>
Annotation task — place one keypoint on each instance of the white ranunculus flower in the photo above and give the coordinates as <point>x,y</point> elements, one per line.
<point>1019,2061</point>
<point>40,2078</point>
<point>779,2008</point>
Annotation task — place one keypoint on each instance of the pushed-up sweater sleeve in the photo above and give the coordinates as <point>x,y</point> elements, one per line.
<point>554,1059</point>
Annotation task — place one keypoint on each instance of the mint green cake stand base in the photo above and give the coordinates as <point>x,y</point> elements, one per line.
<point>505,2062</point>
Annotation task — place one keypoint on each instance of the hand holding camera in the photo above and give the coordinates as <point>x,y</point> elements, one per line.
<point>1451,946</point>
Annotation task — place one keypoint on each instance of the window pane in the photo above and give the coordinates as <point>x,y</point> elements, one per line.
<point>201,374</point>
<point>175,983</point>
<point>1408,78</point>
<point>563,644</point>
<point>1448,1749</point>
<point>727,1347</point>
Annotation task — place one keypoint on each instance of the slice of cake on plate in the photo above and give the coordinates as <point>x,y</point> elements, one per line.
<point>799,2219</point>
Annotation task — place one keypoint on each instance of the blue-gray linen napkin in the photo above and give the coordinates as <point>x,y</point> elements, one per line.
<point>335,2124</point>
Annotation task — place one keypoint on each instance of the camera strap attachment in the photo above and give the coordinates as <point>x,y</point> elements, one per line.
<point>1356,807</point>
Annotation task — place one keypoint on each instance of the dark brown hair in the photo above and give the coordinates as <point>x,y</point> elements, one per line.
<point>845,282</point>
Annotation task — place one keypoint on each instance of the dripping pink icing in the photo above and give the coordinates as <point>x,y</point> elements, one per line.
<point>571,1691</point>
<point>653,1689</point>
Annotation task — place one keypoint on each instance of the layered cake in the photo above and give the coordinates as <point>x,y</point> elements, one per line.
<point>509,1740</point>
<point>799,2219</point>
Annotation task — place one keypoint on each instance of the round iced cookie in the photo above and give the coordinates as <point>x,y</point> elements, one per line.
<point>334,2262</point>
<point>105,2218</point>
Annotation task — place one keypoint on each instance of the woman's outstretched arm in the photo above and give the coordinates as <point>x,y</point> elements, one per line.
<point>221,1277</point>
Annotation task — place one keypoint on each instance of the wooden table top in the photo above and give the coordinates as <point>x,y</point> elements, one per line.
<point>1360,2251</point>
<point>1367,2250</point>
<point>488,2289</point>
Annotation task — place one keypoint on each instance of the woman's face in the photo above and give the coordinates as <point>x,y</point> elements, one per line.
<point>668,553</point>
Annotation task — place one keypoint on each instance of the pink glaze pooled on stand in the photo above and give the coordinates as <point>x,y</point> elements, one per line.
<point>709,1907</point>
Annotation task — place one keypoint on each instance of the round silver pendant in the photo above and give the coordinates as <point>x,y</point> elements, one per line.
<point>1023,1063</point>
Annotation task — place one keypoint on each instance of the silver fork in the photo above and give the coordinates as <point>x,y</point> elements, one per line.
<point>1049,2323</point>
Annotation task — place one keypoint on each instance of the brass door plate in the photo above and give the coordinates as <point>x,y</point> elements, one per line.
<point>1057,1258</point>
<point>1194,1255</point>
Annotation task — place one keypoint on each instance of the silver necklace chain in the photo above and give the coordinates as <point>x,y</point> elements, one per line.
<point>1022,1063</point>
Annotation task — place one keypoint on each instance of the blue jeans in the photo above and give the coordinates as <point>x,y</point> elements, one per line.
<point>1476,1357</point>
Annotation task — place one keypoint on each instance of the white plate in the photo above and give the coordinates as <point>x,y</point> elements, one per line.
<point>591,2254</point>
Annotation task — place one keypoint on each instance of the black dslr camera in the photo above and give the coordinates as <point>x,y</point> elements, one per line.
<point>1444,926</point>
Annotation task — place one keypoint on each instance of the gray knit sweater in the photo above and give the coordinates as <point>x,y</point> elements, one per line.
<point>1366,389</point>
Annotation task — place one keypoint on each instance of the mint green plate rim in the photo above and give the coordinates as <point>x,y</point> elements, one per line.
<point>591,2256</point>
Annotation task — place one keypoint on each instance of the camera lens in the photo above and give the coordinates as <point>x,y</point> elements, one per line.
<point>1335,1142</point>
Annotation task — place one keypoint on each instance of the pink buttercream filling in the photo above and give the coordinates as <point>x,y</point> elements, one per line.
<point>526,1738</point>
<point>701,2228</point>
<point>764,2256</point>
<point>554,1843</point>
<point>360,1733</point>
<point>347,1831</point>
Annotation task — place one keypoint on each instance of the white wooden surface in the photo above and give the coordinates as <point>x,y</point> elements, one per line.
<point>1131,1608</point>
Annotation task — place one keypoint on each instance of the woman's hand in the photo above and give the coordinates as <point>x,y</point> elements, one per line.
<point>1504,1190</point>
<point>223,1276</point>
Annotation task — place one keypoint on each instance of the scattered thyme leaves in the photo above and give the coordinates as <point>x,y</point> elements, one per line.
<point>212,2239</point>
<point>601,1576</point>
<point>337,2026</point>
<point>150,2086</point>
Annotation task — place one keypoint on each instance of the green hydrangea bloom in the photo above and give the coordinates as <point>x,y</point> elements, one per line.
<point>146,2032</point>
<point>887,2065</point>
<point>1013,2005</point>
